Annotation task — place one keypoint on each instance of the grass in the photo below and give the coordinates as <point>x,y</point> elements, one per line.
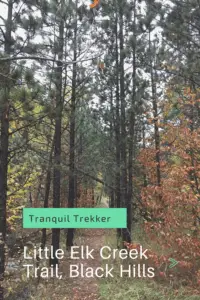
<point>134,288</point>
<point>139,290</point>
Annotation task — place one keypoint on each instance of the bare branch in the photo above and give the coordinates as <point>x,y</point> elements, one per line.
<point>2,18</point>
<point>3,33</point>
<point>1,1</point>
<point>95,178</point>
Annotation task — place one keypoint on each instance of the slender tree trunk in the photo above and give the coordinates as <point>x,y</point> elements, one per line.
<point>37,191</point>
<point>72,193</point>
<point>125,232</point>
<point>57,148</point>
<point>4,140</point>
<point>144,147</point>
<point>47,191</point>
<point>79,164</point>
<point>112,194</point>
<point>30,198</point>
<point>131,136</point>
<point>117,126</point>
<point>155,115</point>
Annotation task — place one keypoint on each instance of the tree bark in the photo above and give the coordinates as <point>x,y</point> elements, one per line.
<point>72,193</point>
<point>111,193</point>
<point>125,233</point>
<point>58,128</point>
<point>4,141</point>
<point>117,126</point>
<point>131,136</point>
<point>47,191</point>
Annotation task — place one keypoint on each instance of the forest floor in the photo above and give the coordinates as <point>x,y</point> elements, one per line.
<point>93,288</point>
<point>88,288</point>
<point>18,287</point>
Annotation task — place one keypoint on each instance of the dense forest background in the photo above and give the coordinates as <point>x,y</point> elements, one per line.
<point>103,101</point>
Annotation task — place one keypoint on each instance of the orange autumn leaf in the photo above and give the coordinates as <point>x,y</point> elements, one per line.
<point>94,4</point>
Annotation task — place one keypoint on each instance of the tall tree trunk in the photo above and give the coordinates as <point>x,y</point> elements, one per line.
<point>72,193</point>
<point>112,194</point>
<point>57,148</point>
<point>4,140</point>
<point>131,135</point>
<point>125,233</point>
<point>117,126</point>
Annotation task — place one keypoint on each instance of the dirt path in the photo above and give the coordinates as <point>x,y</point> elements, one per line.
<point>86,288</point>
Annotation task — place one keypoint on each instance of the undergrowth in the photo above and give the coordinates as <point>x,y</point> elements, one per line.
<point>139,288</point>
